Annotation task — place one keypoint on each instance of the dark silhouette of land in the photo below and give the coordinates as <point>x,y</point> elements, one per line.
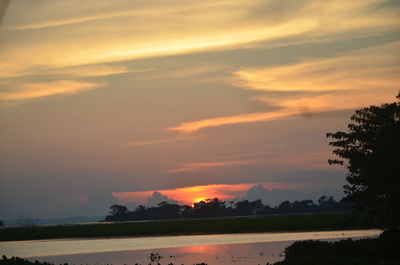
<point>217,208</point>
<point>249,224</point>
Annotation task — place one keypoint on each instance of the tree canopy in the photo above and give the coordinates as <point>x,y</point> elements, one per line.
<point>370,151</point>
<point>218,208</point>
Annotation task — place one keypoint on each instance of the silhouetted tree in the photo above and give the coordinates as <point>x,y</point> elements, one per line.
<point>370,151</point>
<point>166,210</point>
<point>285,206</point>
<point>248,208</point>
<point>209,208</point>
<point>322,200</point>
<point>304,206</point>
<point>117,213</point>
<point>118,209</point>
<point>1,223</point>
<point>217,208</point>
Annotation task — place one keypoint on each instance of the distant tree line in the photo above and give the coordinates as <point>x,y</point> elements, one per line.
<point>218,208</point>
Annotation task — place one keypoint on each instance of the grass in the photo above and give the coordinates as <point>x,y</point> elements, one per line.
<point>184,227</point>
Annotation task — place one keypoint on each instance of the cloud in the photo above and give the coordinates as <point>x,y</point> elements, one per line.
<point>3,8</point>
<point>275,193</point>
<point>188,127</point>
<point>157,197</point>
<point>31,91</point>
<point>94,70</point>
<point>315,160</point>
<point>349,81</point>
<point>371,68</point>
<point>188,167</point>
<point>187,195</point>
<point>179,138</point>
<point>134,30</point>
<point>271,197</point>
<point>62,14</point>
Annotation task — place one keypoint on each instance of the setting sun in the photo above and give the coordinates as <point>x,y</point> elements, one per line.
<point>199,200</point>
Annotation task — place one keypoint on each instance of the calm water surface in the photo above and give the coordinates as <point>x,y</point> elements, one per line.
<point>224,249</point>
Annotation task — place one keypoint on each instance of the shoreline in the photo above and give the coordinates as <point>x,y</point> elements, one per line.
<point>32,249</point>
<point>251,225</point>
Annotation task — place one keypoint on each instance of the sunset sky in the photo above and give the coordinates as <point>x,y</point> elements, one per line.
<point>105,102</point>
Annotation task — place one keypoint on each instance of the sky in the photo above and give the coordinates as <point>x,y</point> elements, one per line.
<point>133,102</point>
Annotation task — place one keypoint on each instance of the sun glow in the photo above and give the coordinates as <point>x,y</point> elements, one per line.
<point>194,194</point>
<point>197,200</point>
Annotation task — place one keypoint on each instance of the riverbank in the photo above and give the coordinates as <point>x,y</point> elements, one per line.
<point>187,227</point>
<point>221,249</point>
<point>384,250</point>
<point>381,250</point>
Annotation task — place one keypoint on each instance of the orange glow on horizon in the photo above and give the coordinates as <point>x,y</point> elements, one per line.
<point>197,201</point>
<point>192,194</point>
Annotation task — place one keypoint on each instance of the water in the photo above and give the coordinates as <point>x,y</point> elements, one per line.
<point>224,249</point>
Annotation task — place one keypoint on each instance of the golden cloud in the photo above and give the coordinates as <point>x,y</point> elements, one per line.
<point>43,90</point>
<point>188,167</point>
<point>143,30</point>
<point>366,77</point>
<point>370,68</point>
<point>193,126</point>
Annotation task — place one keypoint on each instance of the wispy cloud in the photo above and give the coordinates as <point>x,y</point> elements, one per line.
<point>188,127</point>
<point>203,165</point>
<point>180,138</point>
<point>370,68</point>
<point>31,91</point>
<point>349,81</point>
<point>174,27</point>
<point>3,8</point>
<point>63,15</point>
<point>304,160</point>
<point>95,70</point>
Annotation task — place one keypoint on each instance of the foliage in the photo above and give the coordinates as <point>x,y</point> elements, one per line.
<point>370,151</point>
<point>118,210</point>
<point>217,208</point>
<point>382,250</point>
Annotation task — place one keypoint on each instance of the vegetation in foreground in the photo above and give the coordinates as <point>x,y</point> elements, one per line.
<point>370,151</point>
<point>383,250</point>
<point>188,226</point>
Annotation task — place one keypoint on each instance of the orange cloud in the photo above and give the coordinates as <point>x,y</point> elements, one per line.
<point>171,27</point>
<point>160,141</point>
<point>188,127</point>
<point>42,90</point>
<point>94,70</point>
<point>354,80</point>
<point>198,166</point>
<point>370,68</point>
<point>187,195</point>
